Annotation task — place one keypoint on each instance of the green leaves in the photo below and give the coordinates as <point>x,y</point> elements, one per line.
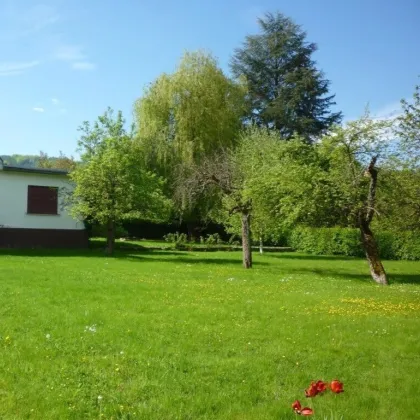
<point>274,177</point>
<point>189,114</point>
<point>185,117</point>
<point>408,127</point>
<point>346,152</point>
<point>94,137</point>
<point>113,184</point>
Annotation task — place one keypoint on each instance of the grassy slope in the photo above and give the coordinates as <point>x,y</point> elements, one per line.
<point>194,336</point>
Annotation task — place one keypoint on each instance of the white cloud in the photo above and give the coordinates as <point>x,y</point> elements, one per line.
<point>38,109</point>
<point>10,73</point>
<point>35,25</point>
<point>69,53</point>
<point>17,21</point>
<point>388,112</point>
<point>55,101</point>
<point>40,16</point>
<point>12,68</point>
<point>83,65</point>
<point>75,55</point>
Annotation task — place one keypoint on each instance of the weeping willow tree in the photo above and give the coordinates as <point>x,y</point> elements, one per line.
<point>184,117</point>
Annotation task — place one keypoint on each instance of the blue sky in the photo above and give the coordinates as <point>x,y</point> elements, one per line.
<point>63,62</point>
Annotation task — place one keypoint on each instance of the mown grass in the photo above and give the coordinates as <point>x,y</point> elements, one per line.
<point>177,335</point>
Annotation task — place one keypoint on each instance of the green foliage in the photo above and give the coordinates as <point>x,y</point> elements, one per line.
<point>345,153</point>
<point>112,183</point>
<point>62,162</point>
<point>280,180</point>
<point>346,241</point>
<point>407,246</point>
<point>408,128</point>
<point>211,239</point>
<point>176,238</point>
<point>233,240</point>
<point>190,113</point>
<point>285,89</point>
<point>181,239</point>
<point>399,197</point>
<point>326,241</point>
<point>184,117</point>
<point>275,181</point>
<point>39,161</point>
<point>95,137</point>
<point>113,186</point>
<point>28,161</point>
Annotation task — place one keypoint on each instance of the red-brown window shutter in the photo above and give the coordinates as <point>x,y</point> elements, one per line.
<point>42,200</point>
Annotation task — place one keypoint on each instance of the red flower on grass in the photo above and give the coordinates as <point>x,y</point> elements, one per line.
<point>321,386</point>
<point>312,391</point>
<point>297,406</point>
<point>336,386</point>
<point>305,411</point>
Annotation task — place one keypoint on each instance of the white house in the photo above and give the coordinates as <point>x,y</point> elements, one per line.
<point>32,212</point>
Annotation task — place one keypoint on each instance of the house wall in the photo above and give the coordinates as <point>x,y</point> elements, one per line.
<point>21,230</point>
<point>13,202</point>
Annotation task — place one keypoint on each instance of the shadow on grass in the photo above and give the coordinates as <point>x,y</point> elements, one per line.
<point>306,257</point>
<point>185,257</point>
<point>160,256</point>
<point>138,255</point>
<point>393,277</point>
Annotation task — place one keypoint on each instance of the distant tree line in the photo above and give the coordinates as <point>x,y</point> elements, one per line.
<point>25,161</point>
<point>40,161</point>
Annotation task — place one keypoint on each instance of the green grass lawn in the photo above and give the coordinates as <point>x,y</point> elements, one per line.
<point>177,335</point>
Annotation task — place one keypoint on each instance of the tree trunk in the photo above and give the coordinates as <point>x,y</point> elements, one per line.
<point>377,270</point>
<point>110,238</point>
<point>261,245</point>
<point>193,231</point>
<point>246,240</point>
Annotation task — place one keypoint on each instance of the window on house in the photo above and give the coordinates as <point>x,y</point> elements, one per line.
<point>42,200</point>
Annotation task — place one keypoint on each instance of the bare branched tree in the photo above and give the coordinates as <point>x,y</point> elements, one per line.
<point>220,175</point>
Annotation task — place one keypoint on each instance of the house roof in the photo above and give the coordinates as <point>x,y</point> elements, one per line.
<point>45,171</point>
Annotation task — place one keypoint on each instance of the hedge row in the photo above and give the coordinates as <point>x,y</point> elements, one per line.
<point>346,241</point>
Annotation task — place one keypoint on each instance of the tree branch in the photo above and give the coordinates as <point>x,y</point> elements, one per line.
<point>371,172</point>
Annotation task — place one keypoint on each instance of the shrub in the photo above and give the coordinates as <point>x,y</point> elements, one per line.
<point>407,246</point>
<point>387,245</point>
<point>233,240</point>
<point>332,241</point>
<point>214,239</point>
<point>211,239</point>
<point>346,241</point>
<point>176,238</point>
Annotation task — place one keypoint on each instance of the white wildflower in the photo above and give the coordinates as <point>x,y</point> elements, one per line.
<point>91,328</point>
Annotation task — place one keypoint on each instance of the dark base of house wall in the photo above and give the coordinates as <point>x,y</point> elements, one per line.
<point>43,238</point>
